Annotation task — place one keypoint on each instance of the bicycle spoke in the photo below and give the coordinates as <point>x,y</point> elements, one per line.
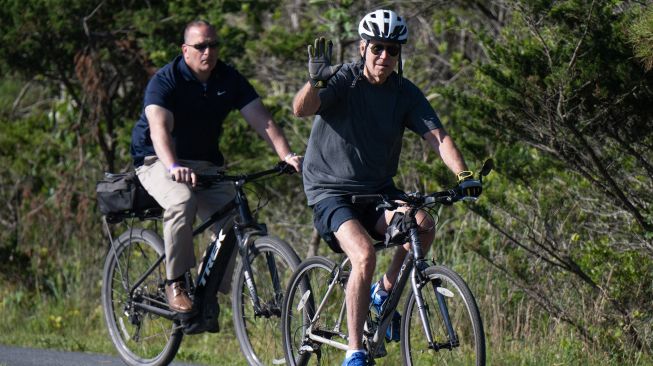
<point>259,332</point>
<point>465,346</point>
<point>308,290</point>
<point>139,336</point>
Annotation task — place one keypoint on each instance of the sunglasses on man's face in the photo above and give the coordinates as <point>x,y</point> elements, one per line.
<point>204,45</point>
<point>377,49</point>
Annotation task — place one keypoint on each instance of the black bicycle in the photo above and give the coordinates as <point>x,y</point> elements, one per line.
<point>143,328</point>
<point>440,324</point>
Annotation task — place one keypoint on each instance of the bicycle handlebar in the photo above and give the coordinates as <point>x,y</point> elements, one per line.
<point>414,199</point>
<point>281,167</point>
<point>219,176</point>
<point>418,200</point>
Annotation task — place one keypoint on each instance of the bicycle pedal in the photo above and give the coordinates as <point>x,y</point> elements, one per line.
<point>185,317</point>
<point>192,328</point>
<point>213,327</point>
<point>380,350</point>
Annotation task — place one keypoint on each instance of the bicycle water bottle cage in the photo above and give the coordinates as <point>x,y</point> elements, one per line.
<point>394,233</point>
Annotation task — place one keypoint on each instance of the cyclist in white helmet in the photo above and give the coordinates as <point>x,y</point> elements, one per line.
<point>361,111</point>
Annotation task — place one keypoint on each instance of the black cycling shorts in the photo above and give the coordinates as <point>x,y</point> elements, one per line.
<point>331,212</point>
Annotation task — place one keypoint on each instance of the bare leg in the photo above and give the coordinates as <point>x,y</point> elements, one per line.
<point>427,233</point>
<point>355,242</point>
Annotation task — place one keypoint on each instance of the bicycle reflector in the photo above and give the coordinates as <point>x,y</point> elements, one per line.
<point>445,292</point>
<point>302,302</point>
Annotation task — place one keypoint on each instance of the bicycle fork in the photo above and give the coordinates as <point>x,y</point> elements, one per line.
<point>416,278</point>
<point>249,281</point>
<point>266,310</point>
<point>422,308</point>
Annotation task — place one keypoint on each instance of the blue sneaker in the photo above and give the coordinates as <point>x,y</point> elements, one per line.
<point>356,359</point>
<point>377,298</point>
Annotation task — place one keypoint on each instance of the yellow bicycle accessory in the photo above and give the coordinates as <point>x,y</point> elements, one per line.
<point>464,175</point>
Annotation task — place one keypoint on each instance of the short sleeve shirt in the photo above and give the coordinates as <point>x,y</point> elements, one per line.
<point>357,133</point>
<point>198,109</point>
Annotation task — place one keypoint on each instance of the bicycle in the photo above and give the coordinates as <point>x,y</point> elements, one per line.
<point>440,324</point>
<point>143,328</point>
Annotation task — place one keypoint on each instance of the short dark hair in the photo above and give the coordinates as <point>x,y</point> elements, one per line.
<point>196,23</point>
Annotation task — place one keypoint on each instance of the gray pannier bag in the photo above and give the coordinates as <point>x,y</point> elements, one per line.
<point>121,195</point>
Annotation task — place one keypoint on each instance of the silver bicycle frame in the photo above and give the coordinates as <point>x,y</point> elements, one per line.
<point>332,286</point>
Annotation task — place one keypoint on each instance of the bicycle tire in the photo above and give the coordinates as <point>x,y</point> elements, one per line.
<point>259,336</point>
<point>465,319</point>
<point>308,286</point>
<point>141,338</point>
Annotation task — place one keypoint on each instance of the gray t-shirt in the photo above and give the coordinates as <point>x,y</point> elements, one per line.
<point>356,137</point>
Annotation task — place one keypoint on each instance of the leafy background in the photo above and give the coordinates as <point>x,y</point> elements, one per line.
<point>558,251</point>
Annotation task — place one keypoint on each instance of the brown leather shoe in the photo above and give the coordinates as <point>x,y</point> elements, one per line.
<point>178,298</point>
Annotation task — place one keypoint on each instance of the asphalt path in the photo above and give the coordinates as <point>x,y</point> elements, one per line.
<point>16,356</point>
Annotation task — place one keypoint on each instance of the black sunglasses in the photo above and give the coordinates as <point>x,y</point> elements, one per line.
<point>377,49</point>
<point>203,46</point>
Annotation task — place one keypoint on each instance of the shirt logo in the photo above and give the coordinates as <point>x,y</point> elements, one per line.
<point>220,92</point>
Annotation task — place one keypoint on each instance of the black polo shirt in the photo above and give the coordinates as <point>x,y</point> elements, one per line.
<point>198,109</point>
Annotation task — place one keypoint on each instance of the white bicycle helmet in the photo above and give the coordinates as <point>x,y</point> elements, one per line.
<point>383,25</point>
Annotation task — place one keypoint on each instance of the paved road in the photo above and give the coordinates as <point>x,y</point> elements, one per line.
<point>15,356</point>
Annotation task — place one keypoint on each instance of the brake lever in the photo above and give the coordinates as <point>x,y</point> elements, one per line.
<point>386,205</point>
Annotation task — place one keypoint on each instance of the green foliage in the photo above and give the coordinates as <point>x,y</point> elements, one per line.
<point>556,79</point>
<point>557,250</point>
<point>641,37</point>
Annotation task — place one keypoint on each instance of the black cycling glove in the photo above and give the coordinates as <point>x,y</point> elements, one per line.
<point>319,63</point>
<point>469,187</point>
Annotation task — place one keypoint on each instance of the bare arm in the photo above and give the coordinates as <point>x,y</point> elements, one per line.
<point>161,122</point>
<point>306,101</point>
<point>443,144</point>
<point>260,119</point>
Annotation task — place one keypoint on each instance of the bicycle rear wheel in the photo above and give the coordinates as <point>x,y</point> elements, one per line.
<point>141,338</point>
<point>307,290</point>
<point>465,321</point>
<point>272,262</point>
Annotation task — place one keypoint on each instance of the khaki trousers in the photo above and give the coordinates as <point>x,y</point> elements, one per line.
<point>181,203</point>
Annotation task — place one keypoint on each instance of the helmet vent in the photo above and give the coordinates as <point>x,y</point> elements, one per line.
<point>383,25</point>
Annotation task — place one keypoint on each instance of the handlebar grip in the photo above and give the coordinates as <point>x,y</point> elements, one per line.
<point>209,178</point>
<point>286,168</point>
<point>361,198</point>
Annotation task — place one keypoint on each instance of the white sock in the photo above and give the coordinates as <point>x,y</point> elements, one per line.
<point>382,285</point>
<point>352,351</point>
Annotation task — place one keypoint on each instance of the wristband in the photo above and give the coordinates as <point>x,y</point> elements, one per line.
<point>172,166</point>
<point>289,155</point>
<point>317,84</point>
<point>465,174</point>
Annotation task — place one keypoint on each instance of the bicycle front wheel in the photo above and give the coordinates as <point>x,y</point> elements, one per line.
<point>141,338</point>
<point>272,262</point>
<point>308,289</point>
<point>463,343</point>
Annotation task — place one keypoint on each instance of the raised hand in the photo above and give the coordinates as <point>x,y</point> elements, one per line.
<point>320,69</point>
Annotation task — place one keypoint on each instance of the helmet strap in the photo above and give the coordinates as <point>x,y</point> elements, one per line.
<point>401,69</point>
<point>361,70</point>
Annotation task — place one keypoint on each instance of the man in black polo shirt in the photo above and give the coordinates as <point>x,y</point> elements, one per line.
<point>177,136</point>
